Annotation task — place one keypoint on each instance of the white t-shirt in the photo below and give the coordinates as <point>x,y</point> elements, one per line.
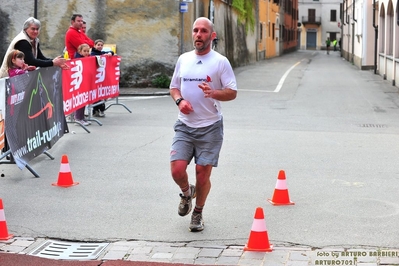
<point>190,71</point>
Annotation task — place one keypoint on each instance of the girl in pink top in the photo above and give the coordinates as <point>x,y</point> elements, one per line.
<point>16,64</point>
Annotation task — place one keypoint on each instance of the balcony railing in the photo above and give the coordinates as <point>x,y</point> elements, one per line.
<point>311,20</point>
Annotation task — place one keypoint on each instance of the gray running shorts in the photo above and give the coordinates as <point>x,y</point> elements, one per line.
<point>203,143</point>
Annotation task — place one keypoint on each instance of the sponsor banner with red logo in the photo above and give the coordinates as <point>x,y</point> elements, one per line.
<point>89,80</point>
<point>2,110</point>
<point>35,119</point>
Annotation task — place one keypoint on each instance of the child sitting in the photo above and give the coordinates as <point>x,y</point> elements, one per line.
<point>16,64</point>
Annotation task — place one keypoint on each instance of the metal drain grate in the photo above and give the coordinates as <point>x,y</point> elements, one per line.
<point>69,251</point>
<point>374,125</point>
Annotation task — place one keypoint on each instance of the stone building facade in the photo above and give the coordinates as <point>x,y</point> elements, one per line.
<point>319,20</point>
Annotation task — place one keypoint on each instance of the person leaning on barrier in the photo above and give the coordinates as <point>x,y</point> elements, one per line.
<point>83,51</point>
<point>97,50</point>
<point>27,41</point>
<point>16,64</point>
<point>75,37</point>
<point>84,27</point>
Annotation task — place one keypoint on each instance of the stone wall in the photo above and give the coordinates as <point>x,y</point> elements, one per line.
<point>147,33</point>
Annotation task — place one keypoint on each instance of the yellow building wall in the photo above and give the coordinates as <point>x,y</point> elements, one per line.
<point>272,35</point>
<point>262,27</point>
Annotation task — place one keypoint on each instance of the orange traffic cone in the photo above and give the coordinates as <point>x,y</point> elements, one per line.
<point>258,238</point>
<point>280,195</point>
<point>3,224</point>
<point>65,176</point>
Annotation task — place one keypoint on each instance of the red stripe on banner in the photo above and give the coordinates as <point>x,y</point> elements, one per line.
<point>89,80</point>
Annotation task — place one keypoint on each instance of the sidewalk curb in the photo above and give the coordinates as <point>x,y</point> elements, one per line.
<point>144,92</point>
<point>141,252</point>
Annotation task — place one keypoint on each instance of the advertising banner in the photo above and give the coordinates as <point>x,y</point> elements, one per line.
<point>2,110</point>
<point>89,80</point>
<point>35,120</point>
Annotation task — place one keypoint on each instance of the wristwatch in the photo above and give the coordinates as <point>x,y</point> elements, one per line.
<point>179,100</point>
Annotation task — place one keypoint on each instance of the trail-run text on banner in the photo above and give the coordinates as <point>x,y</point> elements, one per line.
<point>34,120</point>
<point>90,79</point>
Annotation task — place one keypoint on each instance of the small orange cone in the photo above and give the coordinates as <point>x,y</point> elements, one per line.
<point>280,195</point>
<point>258,238</point>
<point>65,176</point>
<point>3,224</point>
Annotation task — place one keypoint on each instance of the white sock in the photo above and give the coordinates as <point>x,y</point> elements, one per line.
<point>188,192</point>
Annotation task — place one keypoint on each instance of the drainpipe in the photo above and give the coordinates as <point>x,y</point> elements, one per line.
<point>375,39</point>
<point>342,21</point>
<point>257,31</point>
<point>349,27</point>
<point>353,11</point>
<point>35,9</point>
<point>353,31</point>
<point>353,43</point>
<point>210,11</point>
<point>343,28</point>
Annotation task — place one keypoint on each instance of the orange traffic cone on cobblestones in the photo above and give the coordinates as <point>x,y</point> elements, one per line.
<point>280,195</point>
<point>258,238</point>
<point>65,176</point>
<point>4,235</point>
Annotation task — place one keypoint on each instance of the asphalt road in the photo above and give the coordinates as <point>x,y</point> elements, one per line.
<point>332,128</point>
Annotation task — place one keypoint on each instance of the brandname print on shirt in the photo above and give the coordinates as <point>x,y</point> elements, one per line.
<point>207,79</point>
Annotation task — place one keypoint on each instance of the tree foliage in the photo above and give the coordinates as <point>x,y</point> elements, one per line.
<point>245,12</point>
